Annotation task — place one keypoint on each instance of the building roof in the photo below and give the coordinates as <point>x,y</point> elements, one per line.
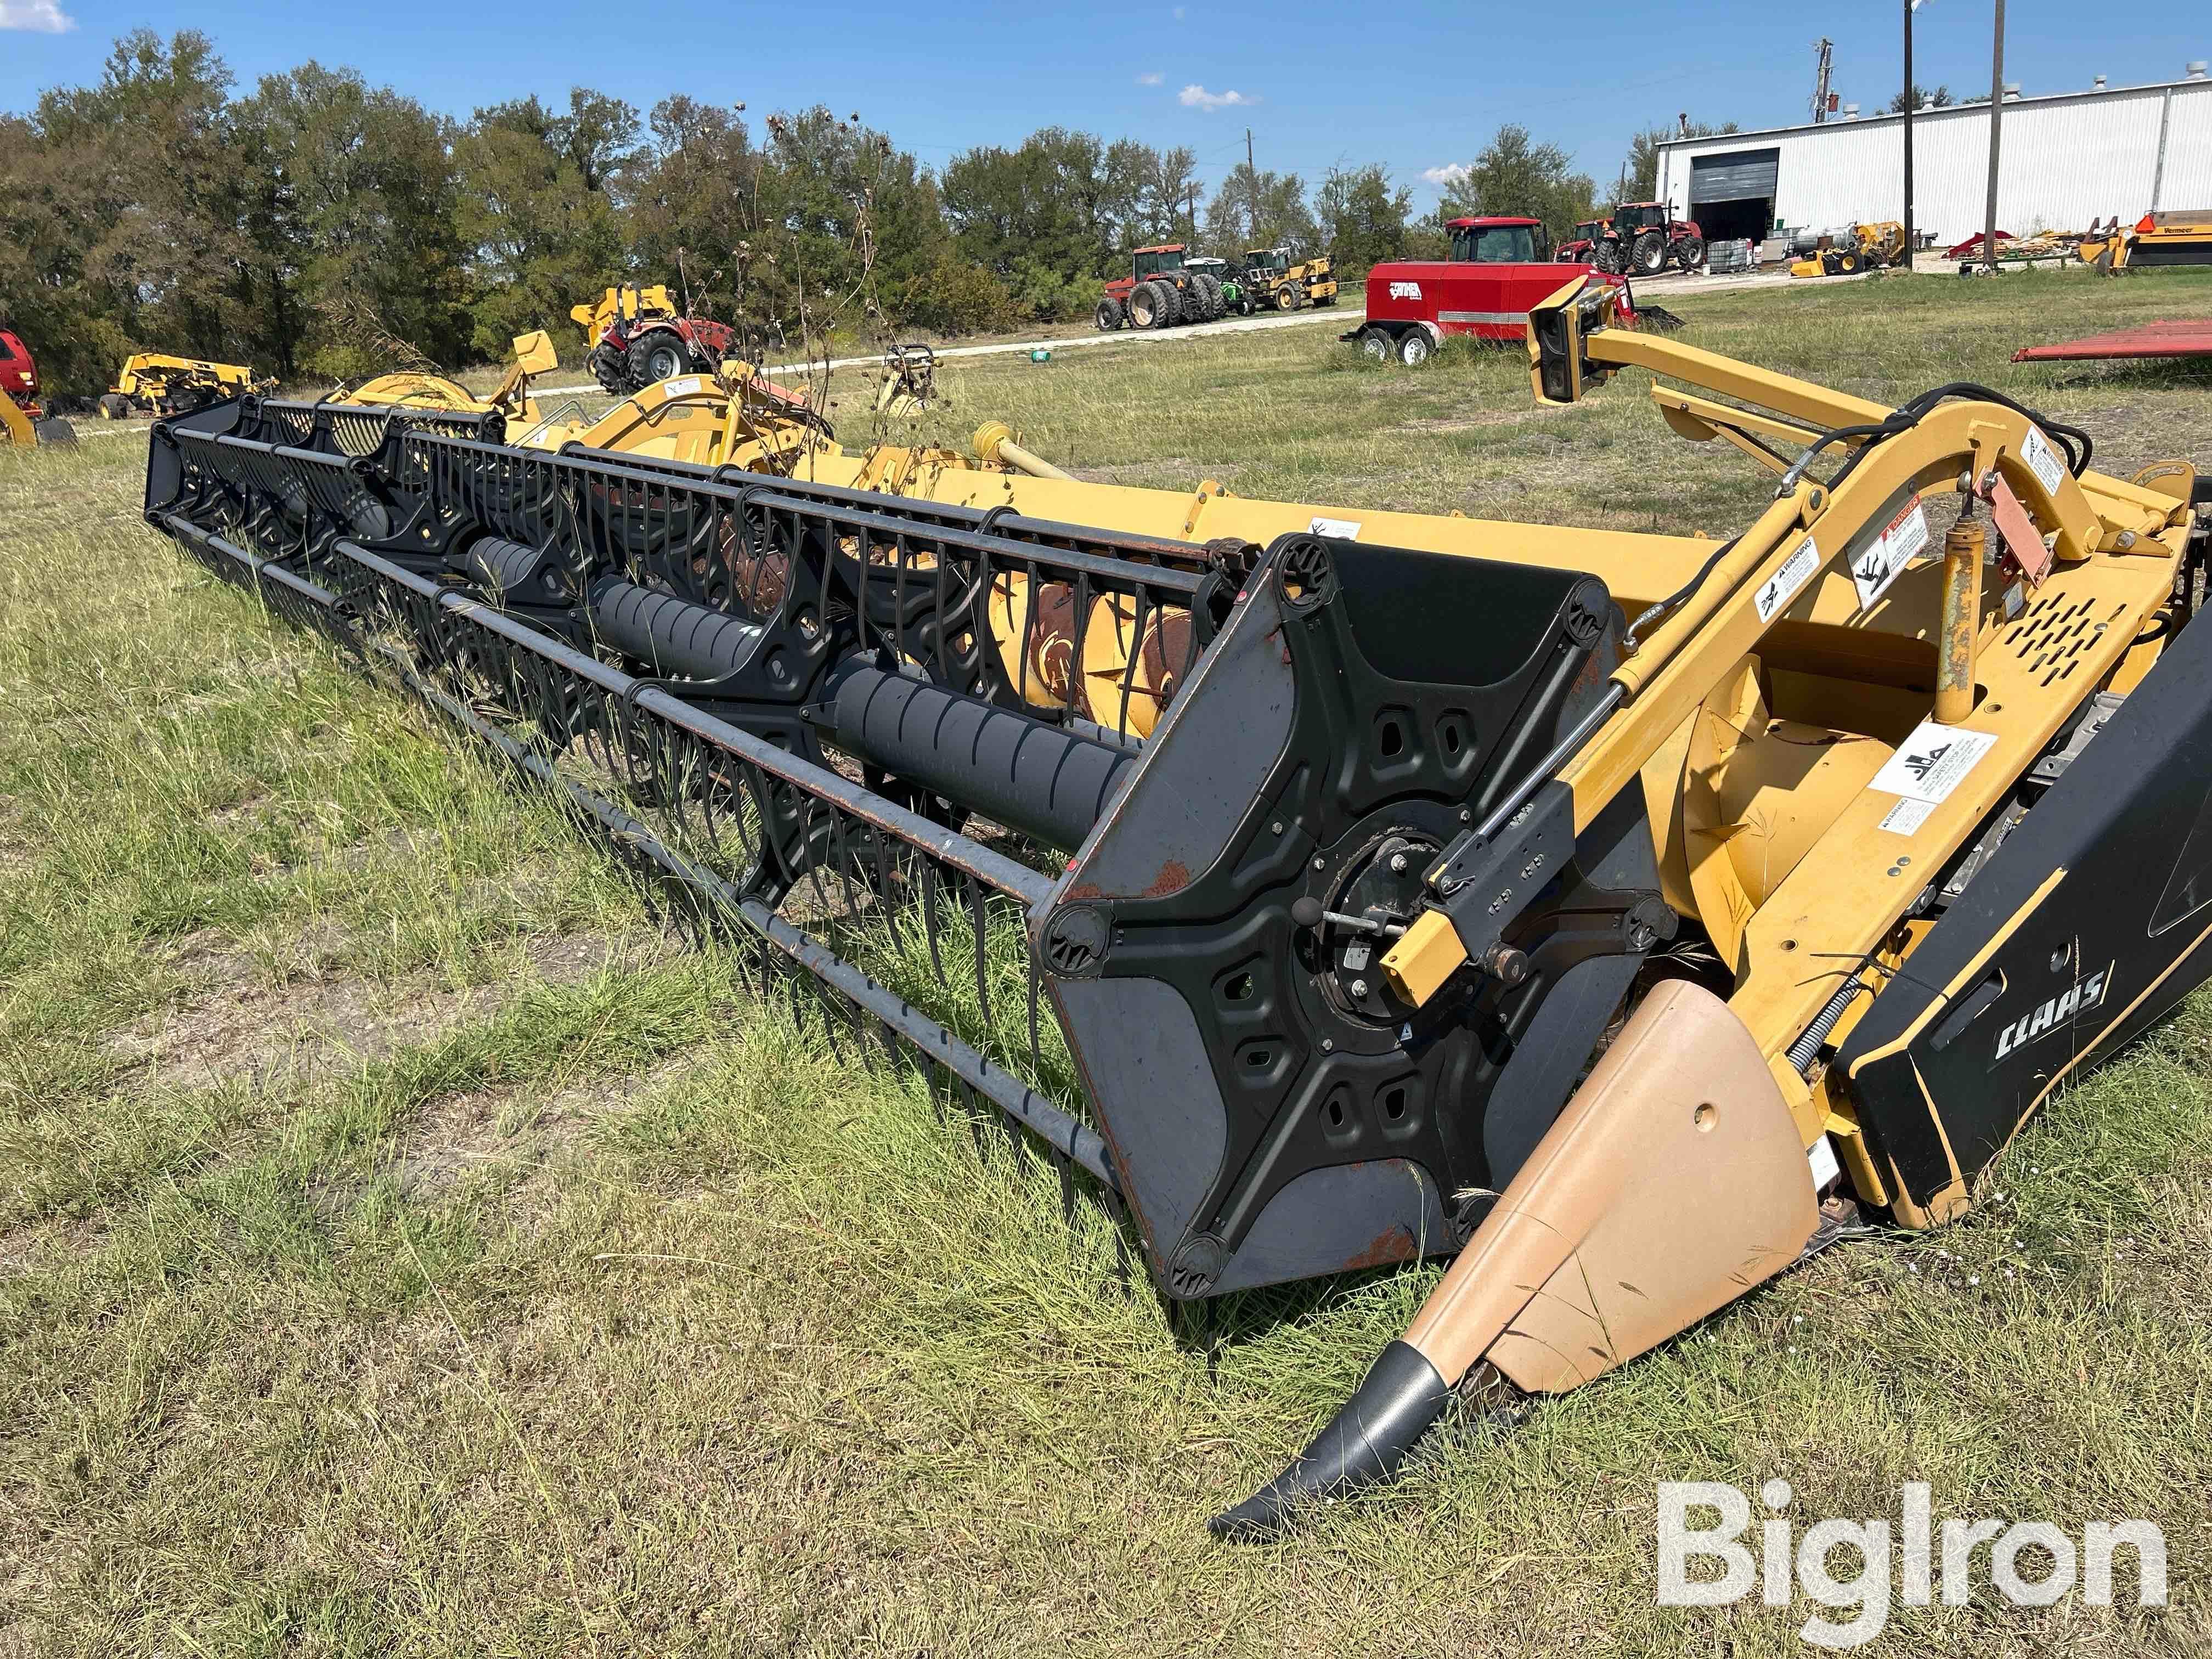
<point>1732,139</point>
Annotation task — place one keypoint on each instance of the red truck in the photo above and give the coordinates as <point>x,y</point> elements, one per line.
<point>1499,267</point>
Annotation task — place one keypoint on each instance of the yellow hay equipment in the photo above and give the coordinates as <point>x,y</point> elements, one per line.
<point>157,383</point>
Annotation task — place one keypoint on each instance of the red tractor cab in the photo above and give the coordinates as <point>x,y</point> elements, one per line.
<point>19,373</point>
<point>1581,248</point>
<point>1499,267</point>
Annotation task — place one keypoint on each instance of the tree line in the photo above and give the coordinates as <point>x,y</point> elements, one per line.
<point>318,227</point>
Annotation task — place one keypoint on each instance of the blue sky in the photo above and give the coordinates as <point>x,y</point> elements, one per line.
<point>1417,86</point>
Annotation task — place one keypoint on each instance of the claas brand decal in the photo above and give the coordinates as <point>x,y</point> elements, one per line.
<point>1404,290</point>
<point>2055,1013</point>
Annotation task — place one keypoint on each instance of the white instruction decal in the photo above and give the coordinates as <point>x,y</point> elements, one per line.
<point>1932,762</point>
<point>1906,816</point>
<point>1404,290</point>
<point>682,388</point>
<point>1898,545</point>
<point>1782,587</point>
<point>1346,529</point>
<point>2042,460</point>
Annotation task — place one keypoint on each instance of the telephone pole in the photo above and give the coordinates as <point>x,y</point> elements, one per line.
<point>1912,97</point>
<point>1825,49</point>
<point>1997,116</point>
<point>1249,167</point>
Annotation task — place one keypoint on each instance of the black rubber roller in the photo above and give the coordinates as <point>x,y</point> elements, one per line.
<point>1037,778</point>
<point>673,636</point>
<point>513,574</point>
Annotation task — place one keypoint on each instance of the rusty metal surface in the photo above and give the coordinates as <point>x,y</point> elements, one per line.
<point>2190,336</point>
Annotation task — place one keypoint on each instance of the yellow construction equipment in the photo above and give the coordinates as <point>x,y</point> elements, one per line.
<point>156,383</point>
<point>1622,913</point>
<point>1273,279</point>
<point>1872,247</point>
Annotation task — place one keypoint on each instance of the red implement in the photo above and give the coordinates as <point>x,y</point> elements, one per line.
<point>2168,337</point>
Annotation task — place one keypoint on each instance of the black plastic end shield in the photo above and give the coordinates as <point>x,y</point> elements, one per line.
<point>2092,920</point>
<point>1272,1115</point>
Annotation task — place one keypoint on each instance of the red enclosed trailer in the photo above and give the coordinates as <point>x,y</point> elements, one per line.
<point>1499,267</point>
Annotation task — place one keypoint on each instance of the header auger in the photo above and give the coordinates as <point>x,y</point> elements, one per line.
<point>1532,895</point>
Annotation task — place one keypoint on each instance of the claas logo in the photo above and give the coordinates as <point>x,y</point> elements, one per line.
<point>1404,290</point>
<point>2054,1012</point>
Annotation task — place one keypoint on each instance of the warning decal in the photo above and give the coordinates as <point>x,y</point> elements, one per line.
<point>1901,542</point>
<point>1932,762</point>
<point>1783,585</point>
<point>2042,460</point>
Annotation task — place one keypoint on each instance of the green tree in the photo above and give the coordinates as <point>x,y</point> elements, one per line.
<point>1363,220</point>
<point>1515,175</point>
<point>1258,210</point>
<point>353,220</point>
<point>1923,98</point>
<point>125,198</point>
<point>538,212</point>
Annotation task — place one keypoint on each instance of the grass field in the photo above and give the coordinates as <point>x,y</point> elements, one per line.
<point>404,1248</point>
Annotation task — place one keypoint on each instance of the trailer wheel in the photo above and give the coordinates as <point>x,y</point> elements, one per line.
<point>1376,343</point>
<point>114,406</point>
<point>1110,315</point>
<point>1415,348</point>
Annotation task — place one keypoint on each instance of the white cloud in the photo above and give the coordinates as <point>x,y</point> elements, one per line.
<point>40,16</point>
<point>1195,96</point>
<point>1449,173</point>
<point>1151,80</point>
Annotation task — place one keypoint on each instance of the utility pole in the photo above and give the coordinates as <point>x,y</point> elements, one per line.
<point>1824,49</point>
<point>1910,99</point>
<point>1249,167</point>
<point>1996,117</point>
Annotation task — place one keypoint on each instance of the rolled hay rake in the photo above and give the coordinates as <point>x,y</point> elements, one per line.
<point>1330,904</point>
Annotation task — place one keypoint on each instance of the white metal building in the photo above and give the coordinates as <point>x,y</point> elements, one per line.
<point>2062,160</point>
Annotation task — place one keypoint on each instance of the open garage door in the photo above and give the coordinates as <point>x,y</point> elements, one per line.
<point>1732,193</point>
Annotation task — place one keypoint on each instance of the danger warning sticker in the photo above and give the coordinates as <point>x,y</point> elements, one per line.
<point>1932,762</point>
<point>1902,540</point>
<point>1345,530</point>
<point>2042,460</point>
<point>1783,585</point>
<point>1906,816</point>
<point>682,388</point>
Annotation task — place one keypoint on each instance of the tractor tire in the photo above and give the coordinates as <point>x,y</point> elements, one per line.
<point>1211,307</point>
<point>610,368</point>
<point>1606,257</point>
<point>1415,347</point>
<point>1144,303</point>
<point>1110,316</point>
<point>658,355</point>
<point>1690,253</point>
<point>1288,296</point>
<point>1172,308</point>
<point>114,406</point>
<point>53,430</point>
<point>1648,256</point>
<point>1376,343</point>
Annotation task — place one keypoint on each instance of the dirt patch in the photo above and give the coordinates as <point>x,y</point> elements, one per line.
<point>28,1246</point>
<point>239,1024</point>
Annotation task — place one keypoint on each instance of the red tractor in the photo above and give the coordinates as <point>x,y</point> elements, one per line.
<point>1642,240</point>
<point>1581,249</point>
<point>22,420</point>
<point>1159,293</point>
<point>637,336</point>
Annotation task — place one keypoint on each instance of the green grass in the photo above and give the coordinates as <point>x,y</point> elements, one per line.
<point>404,1249</point>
